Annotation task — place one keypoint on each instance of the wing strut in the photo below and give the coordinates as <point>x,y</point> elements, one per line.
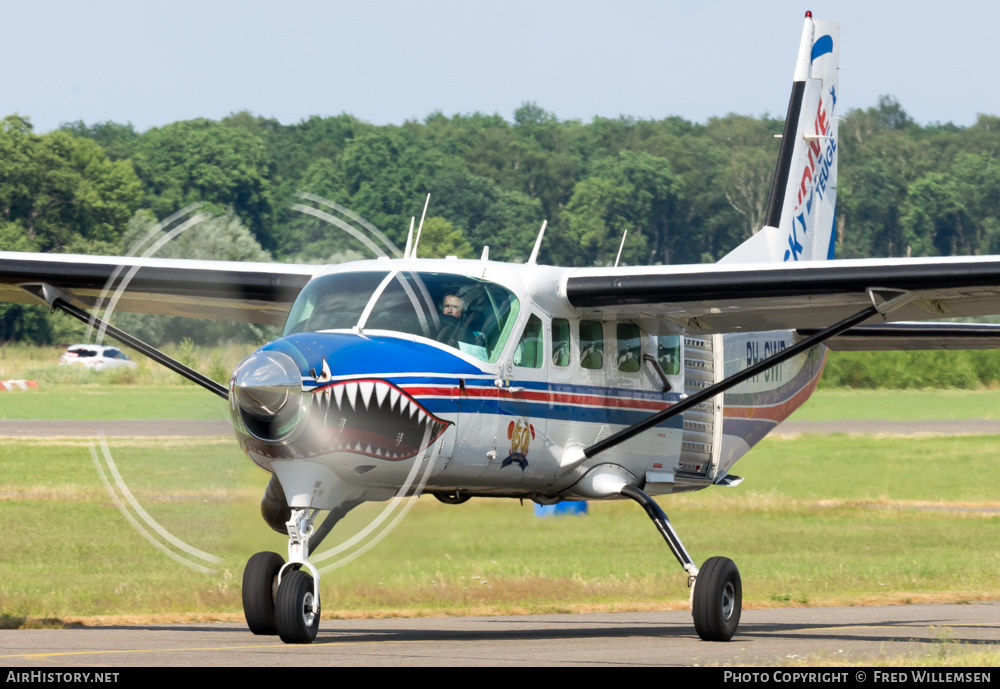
<point>747,373</point>
<point>140,346</point>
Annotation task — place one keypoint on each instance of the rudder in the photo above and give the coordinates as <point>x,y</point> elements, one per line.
<point>800,221</point>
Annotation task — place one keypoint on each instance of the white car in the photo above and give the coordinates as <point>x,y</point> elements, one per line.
<point>95,356</point>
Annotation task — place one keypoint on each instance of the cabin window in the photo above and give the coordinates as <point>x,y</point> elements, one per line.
<point>332,302</point>
<point>529,351</point>
<point>629,348</point>
<point>591,344</point>
<point>560,342</point>
<point>668,353</point>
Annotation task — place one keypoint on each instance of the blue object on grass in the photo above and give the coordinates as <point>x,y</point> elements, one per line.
<point>562,508</point>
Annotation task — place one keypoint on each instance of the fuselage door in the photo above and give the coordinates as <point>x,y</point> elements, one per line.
<point>476,427</point>
<point>523,409</point>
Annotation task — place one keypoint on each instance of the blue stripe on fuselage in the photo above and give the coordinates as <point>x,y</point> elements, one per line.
<point>350,354</point>
<point>400,361</point>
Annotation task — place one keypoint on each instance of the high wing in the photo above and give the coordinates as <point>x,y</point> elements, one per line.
<point>728,297</point>
<point>224,290</point>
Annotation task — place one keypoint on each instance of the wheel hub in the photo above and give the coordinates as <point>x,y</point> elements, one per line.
<point>308,610</point>
<point>728,600</point>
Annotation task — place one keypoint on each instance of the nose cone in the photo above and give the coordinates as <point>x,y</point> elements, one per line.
<point>267,394</point>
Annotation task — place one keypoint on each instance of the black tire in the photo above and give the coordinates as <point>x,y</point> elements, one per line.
<point>297,621</point>
<point>718,599</point>
<point>259,588</point>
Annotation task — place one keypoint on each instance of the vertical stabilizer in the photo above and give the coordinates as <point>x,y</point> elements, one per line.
<point>800,221</point>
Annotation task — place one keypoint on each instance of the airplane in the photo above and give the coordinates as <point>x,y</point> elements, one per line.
<point>475,378</point>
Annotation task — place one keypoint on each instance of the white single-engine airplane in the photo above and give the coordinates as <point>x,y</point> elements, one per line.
<point>536,382</point>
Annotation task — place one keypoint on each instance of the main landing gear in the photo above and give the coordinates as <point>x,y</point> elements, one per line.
<point>280,598</point>
<point>716,589</point>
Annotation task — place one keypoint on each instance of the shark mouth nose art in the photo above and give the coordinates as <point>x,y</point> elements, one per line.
<point>375,418</point>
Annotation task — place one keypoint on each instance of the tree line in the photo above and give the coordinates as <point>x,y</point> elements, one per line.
<point>686,192</point>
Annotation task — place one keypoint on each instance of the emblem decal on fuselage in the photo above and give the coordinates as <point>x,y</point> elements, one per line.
<point>520,433</point>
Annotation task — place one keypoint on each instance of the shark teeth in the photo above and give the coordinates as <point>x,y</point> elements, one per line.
<point>365,389</point>
<point>374,417</point>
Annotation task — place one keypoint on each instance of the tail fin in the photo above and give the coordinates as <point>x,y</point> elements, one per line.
<point>800,222</point>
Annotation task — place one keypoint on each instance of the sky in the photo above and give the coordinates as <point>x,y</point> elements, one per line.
<point>152,63</point>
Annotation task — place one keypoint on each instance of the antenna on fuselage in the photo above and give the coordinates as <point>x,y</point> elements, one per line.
<point>622,246</point>
<point>422,216</point>
<point>486,254</point>
<point>409,238</point>
<point>538,244</point>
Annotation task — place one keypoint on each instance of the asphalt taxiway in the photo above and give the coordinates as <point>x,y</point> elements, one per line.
<point>765,637</point>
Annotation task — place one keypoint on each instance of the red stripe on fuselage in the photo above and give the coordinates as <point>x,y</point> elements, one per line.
<point>563,398</point>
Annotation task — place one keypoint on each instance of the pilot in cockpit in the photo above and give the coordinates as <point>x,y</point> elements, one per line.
<point>453,304</point>
<point>456,321</point>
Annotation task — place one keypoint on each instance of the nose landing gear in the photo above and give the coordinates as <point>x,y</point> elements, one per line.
<point>280,598</point>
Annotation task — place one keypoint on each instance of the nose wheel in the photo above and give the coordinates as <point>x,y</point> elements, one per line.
<point>281,598</point>
<point>289,609</point>
<point>296,609</point>
<point>260,589</point>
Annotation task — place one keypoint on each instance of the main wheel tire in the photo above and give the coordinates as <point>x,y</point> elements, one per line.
<point>294,611</point>
<point>260,579</point>
<point>718,599</point>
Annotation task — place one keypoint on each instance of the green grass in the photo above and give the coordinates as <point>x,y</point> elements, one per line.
<point>111,402</point>
<point>952,469</point>
<point>819,520</point>
<point>816,522</point>
<point>899,405</point>
<point>108,401</point>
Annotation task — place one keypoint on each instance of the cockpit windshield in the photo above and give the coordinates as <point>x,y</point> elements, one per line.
<point>474,316</point>
<point>332,302</point>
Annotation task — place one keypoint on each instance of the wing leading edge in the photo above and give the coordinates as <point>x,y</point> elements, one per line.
<point>219,290</point>
<point>739,297</point>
